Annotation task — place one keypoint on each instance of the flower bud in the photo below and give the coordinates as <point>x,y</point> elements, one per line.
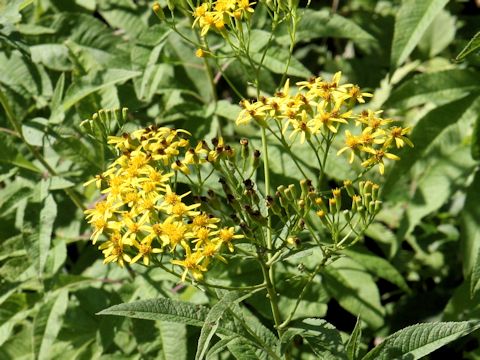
<point>332,205</point>
<point>245,149</point>
<point>349,187</point>
<point>256,159</point>
<point>157,9</point>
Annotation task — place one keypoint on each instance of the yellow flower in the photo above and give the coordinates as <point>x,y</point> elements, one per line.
<point>113,250</point>
<point>226,235</point>
<point>191,263</point>
<point>377,158</point>
<point>397,134</point>
<point>145,249</point>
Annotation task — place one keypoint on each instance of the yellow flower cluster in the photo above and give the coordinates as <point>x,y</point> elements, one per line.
<point>218,14</point>
<point>141,215</point>
<point>317,111</point>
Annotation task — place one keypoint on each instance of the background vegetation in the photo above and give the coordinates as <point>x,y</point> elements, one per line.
<point>62,61</point>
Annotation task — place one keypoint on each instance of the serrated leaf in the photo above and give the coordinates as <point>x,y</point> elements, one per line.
<point>473,45</point>
<point>438,87</point>
<point>47,324</point>
<point>412,19</point>
<point>378,266</point>
<point>420,340</point>
<point>173,338</point>
<point>323,338</point>
<point>212,320</point>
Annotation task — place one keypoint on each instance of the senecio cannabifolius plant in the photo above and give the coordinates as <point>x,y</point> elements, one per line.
<point>142,217</point>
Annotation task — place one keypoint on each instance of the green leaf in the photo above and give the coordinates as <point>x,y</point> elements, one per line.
<point>173,338</point>
<point>412,19</point>
<point>354,341</point>
<point>429,129</point>
<point>47,218</point>
<point>378,266</point>
<point>443,169</point>
<point>212,320</point>
<point>351,285</point>
<point>473,45</point>
<point>438,87</point>
<point>47,324</point>
<point>323,338</point>
<point>90,84</point>
<point>439,34</point>
<point>419,340</point>
<point>168,310</point>
<point>321,24</point>
<point>470,233</point>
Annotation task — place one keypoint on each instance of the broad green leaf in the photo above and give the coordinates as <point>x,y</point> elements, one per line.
<point>354,341</point>
<point>444,167</point>
<point>351,285</point>
<point>322,24</point>
<point>438,87</point>
<point>90,84</point>
<point>35,131</point>
<point>412,19</point>
<point>378,266</point>
<point>429,129</point>
<point>52,56</point>
<point>439,34</point>
<point>173,338</point>
<point>47,324</point>
<point>473,45</point>
<point>470,238</point>
<point>323,338</point>
<point>419,340</point>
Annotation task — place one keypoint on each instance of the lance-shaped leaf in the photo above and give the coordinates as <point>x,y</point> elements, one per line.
<point>419,340</point>
<point>47,324</point>
<point>412,20</point>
